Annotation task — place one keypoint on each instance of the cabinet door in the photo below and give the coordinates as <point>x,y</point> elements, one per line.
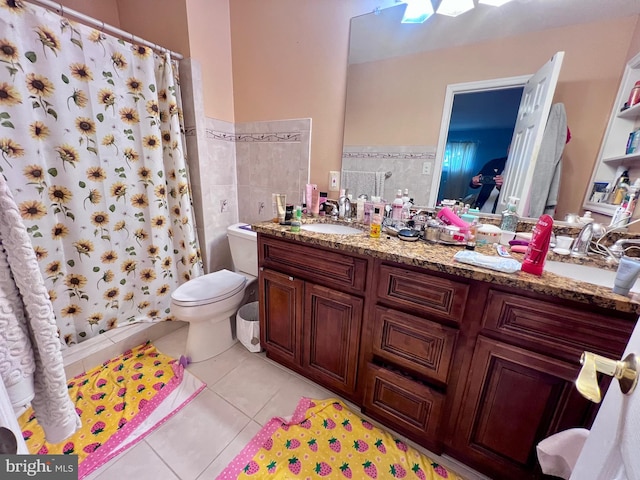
<point>514,399</point>
<point>280,314</point>
<point>331,332</point>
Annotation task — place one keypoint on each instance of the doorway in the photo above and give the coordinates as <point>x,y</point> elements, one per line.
<point>467,107</point>
<point>480,129</point>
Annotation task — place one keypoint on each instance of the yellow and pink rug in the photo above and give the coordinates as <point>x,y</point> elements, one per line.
<point>119,402</point>
<point>326,439</point>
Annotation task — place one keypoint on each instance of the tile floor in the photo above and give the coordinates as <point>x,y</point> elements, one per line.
<point>244,390</point>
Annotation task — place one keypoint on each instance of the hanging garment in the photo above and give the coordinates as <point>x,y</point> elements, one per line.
<point>546,175</point>
<point>29,322</point>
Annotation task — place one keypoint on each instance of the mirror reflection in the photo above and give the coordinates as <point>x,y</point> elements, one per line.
<point>398,77</point>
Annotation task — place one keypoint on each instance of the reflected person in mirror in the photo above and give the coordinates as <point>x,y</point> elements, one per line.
<point>489,180</point>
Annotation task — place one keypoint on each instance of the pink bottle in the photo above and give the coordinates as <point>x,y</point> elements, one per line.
<point>450,218</point>
<point>539,246</point>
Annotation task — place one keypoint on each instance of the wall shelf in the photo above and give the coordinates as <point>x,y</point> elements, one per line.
<point>623,159</point>
<point>602,208</point>
<point>631,113</point>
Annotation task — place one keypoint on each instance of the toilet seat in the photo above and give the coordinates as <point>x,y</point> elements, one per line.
<point>211,288</point>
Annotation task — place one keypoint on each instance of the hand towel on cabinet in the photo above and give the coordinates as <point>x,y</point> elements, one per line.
<point>51,403</point>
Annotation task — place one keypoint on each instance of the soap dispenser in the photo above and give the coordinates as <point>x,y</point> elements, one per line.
<point>510,217</point>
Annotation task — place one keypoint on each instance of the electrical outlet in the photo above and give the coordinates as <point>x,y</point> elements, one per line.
<point>426,168</point>
<point>334,181</point>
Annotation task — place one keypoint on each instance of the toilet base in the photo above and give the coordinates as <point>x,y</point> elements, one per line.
<point>208,338</point>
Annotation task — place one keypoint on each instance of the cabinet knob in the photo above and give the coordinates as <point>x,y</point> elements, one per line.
<point>626,371</point>
<point>291,279</point>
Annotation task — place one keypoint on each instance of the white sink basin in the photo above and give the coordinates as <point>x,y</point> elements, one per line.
<point>330,228</point>
<point>585,273</point>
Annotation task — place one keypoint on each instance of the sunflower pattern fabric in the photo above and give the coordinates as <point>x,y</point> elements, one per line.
<point>326,439</point>
<point>91,145</point>
<point>112,400</point>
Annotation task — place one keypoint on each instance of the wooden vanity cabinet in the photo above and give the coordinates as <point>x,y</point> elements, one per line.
<point>520,387</point>
<point>409,350</point>
<point>475,370</point>
<point>311,311</point>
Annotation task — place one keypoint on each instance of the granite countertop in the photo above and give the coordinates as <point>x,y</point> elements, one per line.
<point>439,257</point>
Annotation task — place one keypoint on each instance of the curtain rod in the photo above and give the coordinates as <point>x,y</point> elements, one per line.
<point>100,25</point>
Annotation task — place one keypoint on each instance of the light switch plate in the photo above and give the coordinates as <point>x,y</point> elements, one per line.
<point>334,181</point>
<point>426,168</point>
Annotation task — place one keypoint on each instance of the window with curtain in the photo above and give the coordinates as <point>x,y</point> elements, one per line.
<point>457,169</point>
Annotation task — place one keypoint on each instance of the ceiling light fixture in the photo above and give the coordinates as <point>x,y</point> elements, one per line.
<point>494,3</point>
<point>453,8</point>
<point>417,11</point>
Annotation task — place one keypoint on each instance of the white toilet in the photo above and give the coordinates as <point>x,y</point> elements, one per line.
<point>208,302</point>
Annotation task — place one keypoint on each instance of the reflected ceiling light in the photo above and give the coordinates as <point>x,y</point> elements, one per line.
<point>417,11</point>
<point>453,8</point>
<point>494,3</point>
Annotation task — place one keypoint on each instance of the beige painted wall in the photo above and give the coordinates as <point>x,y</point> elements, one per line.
<point>210,45</point>
<point>105,10</point>
<point>399,101</point>
<point>159,21</point>
<point>289,61</point>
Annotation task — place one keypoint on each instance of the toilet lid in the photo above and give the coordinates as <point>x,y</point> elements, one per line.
<point>209,288</point>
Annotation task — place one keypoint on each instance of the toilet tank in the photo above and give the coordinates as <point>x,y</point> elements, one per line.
<point>244,248</point>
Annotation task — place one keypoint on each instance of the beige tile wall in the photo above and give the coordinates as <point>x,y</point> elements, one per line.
<point>234,168</point>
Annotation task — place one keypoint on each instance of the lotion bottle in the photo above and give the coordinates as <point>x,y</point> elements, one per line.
<point>396,206</point>
<point>376,222</point>
<point>539,246</point>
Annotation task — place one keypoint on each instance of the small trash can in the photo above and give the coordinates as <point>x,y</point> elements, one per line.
<point>248,326</point>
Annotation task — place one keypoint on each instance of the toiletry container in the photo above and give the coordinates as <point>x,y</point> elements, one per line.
<point>209,302</point>
<point>539,246</point>
<point>396,206</point>
<point>509,221</point>
<point>375,227</point>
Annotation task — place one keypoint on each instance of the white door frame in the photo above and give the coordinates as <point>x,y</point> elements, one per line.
<point>452,90</point>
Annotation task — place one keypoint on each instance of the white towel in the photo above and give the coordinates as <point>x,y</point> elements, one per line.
<point>358,183</point>
<point>51,403</point>
<point>558,453</point>
<point>16,355</point>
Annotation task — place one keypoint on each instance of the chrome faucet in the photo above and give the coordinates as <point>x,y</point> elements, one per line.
<point>334,209</point>
<point>581,244</point>
<point>618,248</point>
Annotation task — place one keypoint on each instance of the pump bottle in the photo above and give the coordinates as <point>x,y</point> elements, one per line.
<point>396,206</point>
<point>510,218</point>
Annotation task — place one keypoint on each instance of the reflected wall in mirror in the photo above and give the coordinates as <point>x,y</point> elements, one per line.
<point>397,79</point>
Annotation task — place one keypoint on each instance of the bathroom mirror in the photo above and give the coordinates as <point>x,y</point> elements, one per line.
<point>398,75</point>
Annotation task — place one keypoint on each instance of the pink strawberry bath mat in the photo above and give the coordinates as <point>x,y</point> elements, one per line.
<point>326,439</point>
<point>119,402</point>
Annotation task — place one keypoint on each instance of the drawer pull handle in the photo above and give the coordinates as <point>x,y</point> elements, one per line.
<point>626,371</point>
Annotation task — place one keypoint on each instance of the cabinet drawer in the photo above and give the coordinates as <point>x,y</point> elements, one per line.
<point>414,343</point>
<point>412,408</point>
<point>326,267</point>
<point>423,293</point>
<point>551,328</point>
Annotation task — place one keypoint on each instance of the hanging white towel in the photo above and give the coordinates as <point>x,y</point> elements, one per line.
<point>358,183</point>
<point>16,355</point>
<point>51,403</point>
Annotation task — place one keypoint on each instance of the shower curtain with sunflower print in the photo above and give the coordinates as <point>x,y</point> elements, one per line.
<point>92,147</point>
